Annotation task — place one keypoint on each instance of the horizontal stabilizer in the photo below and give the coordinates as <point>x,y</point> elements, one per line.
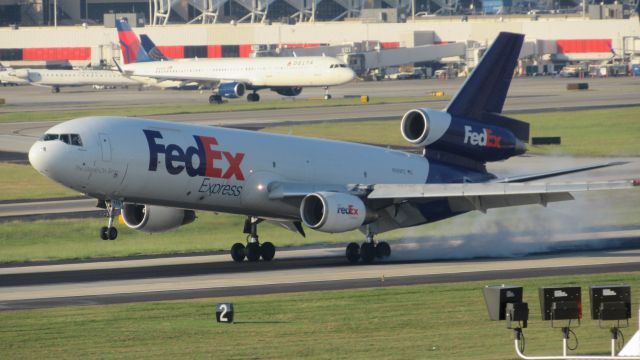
<point>538,176</point>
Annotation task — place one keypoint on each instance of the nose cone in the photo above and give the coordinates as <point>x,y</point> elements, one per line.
<point>37,155</point>
<point>349,74</point>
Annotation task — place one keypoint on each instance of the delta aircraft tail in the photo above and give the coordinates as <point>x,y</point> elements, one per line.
<point>132,50</point>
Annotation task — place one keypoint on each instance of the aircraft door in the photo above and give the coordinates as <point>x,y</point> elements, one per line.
<point>105,146</point>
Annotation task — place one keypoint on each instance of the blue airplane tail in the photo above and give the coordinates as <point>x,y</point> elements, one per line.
<point>150,47</point>
<point>132,50</point>
<point>483,94</point>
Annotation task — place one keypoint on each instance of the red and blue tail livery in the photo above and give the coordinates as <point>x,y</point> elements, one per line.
<point>132,50</point>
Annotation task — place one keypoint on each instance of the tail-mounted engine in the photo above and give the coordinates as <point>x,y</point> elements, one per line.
<point>482,141</point>
<point>153,218</point>
<point>333,212</point>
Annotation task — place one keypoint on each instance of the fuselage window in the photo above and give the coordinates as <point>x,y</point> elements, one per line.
<point>49,137</point>
<point>75,140</point>
<point>65,138</point>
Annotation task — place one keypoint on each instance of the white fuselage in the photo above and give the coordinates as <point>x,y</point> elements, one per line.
<point>46,77</point>
<point>210,168</point>
<point>263,72</point>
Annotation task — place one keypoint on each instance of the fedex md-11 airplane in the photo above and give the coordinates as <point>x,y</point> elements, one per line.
<point>232,77</point>
<point>157,174</point>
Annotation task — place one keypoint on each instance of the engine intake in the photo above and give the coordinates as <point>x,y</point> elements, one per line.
<point>422,127</point>
<point>231,90</point>
<point>153,218</point>
<point>333,212</point>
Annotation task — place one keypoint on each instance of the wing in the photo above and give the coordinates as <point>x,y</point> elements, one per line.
<point>471,196</point>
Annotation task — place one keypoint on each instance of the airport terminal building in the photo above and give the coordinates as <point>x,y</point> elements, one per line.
<point>84,35</point>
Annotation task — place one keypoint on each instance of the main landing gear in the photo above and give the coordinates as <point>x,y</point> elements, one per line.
<point>215,99</point>
<point>109,232</point>
<point>55,89</point>
<point>253,97</point>
<point>368,251</point>
<point>253,251</point>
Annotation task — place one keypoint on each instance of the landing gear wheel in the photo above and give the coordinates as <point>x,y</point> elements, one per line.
<point>252,251</point>
<point>327,97</point>
<point>103,233</point>
<point>383,250</point>
<point>237,252</point>
<point>112,233</point>
<point>353,252</point>
<point>367,252</point>
<point>253,97</point>
<point>215,99</point>
<point>268,251</point>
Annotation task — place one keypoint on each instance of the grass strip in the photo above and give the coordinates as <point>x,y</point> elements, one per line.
<point>29,116</point>
<point>607,132</point>
<point>440,321</point>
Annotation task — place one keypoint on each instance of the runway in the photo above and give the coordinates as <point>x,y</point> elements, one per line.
<point>306,269</point>
<point>526,94</point>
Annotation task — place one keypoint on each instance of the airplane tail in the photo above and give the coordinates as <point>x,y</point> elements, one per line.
<point>483,94</point>
<point>150,47</point>
<point>132,50</point>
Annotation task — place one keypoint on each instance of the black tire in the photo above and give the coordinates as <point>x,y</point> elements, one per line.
<point>353,252</point>
<point>103,233</point>
<point>327,97</point>
<point>256,98</point>
<point>383,250</point>
<point>112,233</point>
<point>252,251</point>
<point>237,252</point>
<point>267,251</point>
<point>215,99</point>
<point>367,252</point>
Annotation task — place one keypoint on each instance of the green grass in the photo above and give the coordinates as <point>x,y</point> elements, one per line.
<point>608,132</point>
<point>78,238</point>
<point>24,182</point>
<point>27,116</point>
<point>442,321</point>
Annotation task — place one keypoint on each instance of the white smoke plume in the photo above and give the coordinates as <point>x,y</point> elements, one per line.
<point>524,230</point>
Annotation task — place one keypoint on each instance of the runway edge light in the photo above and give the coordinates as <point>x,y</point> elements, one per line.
<point>610,302</point>
<point>504,302</point>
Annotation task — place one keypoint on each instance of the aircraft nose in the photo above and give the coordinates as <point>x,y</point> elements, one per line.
<point>37,155</point>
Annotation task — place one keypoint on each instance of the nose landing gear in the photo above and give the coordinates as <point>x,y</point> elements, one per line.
<point>109,232</point>
<point>253,251</point>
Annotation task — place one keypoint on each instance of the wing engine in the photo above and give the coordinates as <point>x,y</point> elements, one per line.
<point>153,218</point>
<point>332,212</point>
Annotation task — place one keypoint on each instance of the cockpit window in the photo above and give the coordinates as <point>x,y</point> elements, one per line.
<point>71,139</point>
<point>75,140</point>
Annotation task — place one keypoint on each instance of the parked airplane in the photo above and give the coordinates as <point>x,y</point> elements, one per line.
<point>55,79</point>
<point>231,77</point>
<point>158,173</point>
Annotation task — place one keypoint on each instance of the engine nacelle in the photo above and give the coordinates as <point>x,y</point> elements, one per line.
<point>20,73</point>
<point>332,212</point>
<point>422,127</point>
<point>287,91</point>
<point>478,140</point>
<point>153,218</point>
<point>231,90</point>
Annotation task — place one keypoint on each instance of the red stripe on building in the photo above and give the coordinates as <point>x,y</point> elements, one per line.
<point>172,52</point>
<point>245,50</point>
<point>214,51</point>
<point>56,53</point>
<point>584,46</point>
<point>389,45</point>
